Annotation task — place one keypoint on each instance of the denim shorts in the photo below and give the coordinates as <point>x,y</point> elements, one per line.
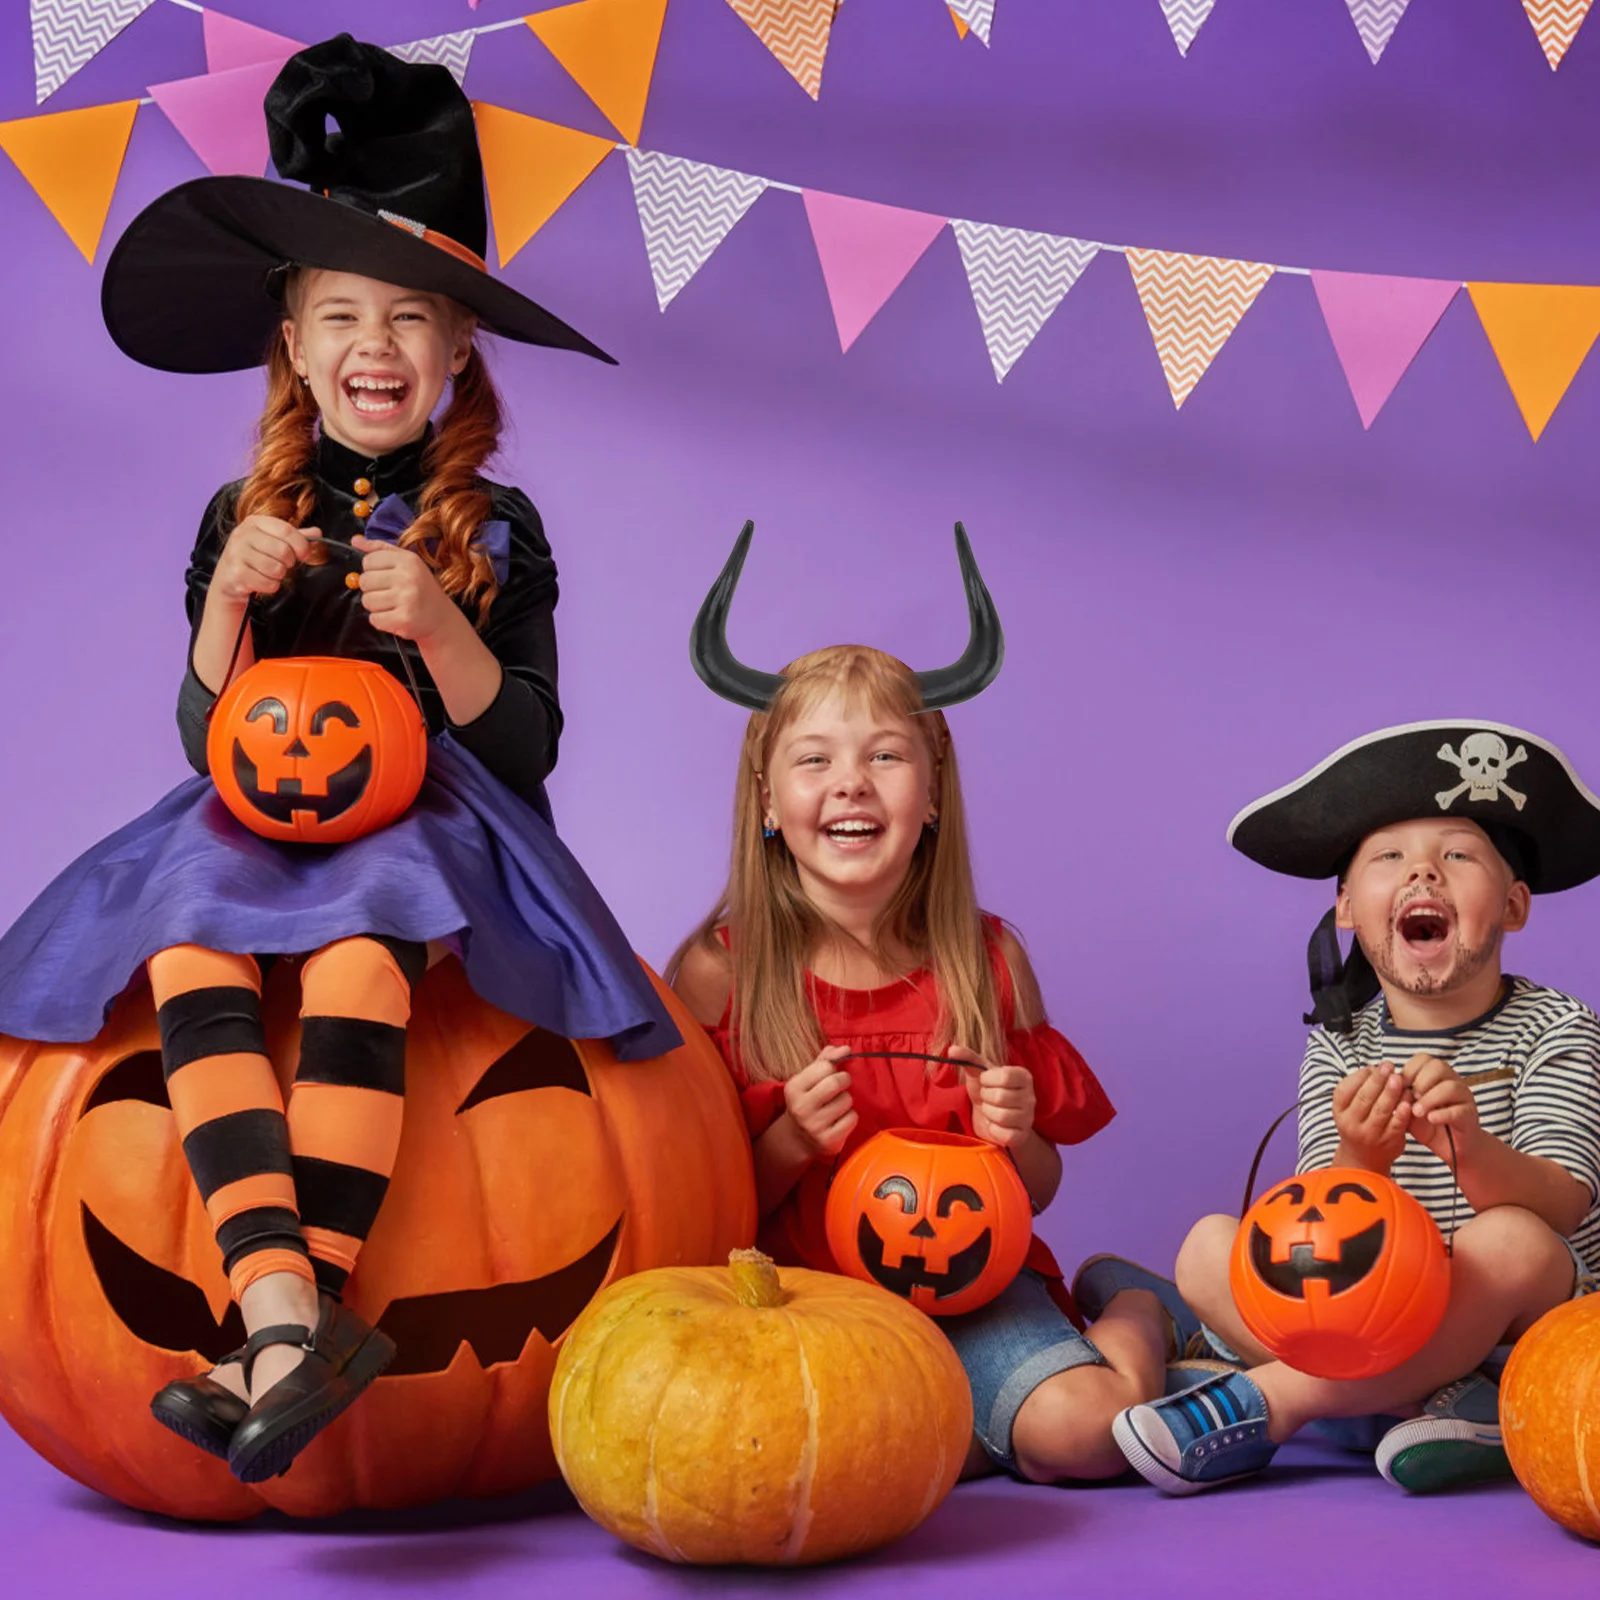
<point>1009,1347</point>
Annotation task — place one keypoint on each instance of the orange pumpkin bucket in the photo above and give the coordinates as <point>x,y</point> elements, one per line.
<point>940,1219</point>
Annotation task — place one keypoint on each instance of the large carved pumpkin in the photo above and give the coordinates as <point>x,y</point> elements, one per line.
<point>532,1171</point>
<point>1550,1414</point>
<point>723,1414</point>
<point>940,1219</point>
<point>1340,1273</point>
<point>318,749</point>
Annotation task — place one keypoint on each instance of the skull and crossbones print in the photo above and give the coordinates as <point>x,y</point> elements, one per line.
<point>1484,761</point>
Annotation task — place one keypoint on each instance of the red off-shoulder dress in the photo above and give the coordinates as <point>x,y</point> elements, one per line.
<point>907,1094</point>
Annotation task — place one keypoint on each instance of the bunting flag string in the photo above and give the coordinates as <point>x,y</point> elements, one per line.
<point>1541,334</point>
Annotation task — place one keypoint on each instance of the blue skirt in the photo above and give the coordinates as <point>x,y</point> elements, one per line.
<point>470,862</point>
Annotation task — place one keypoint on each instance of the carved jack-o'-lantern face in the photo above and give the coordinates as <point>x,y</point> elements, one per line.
<point>319,749</point>
<point>532,1170</point>
<point>938,1218</point>
<point>1340,1273</point>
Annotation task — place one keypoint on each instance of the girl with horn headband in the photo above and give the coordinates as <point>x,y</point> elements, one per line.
<point>361,530</point>
<point>849,927</point>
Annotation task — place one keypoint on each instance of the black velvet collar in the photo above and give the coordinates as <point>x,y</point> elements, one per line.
<point>396,472</point>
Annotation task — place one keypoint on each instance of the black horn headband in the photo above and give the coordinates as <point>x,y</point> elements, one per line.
<point>724,674</point>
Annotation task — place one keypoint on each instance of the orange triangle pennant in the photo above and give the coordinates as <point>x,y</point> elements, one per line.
<point>72,159</point>
<point>1540,332</point>
<point>609,49</point>
<point>531,169</point>
<point>963,27</point>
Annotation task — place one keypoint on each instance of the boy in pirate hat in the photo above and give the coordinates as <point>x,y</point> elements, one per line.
<point>1437,833</point>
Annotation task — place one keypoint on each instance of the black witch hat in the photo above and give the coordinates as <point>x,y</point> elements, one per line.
<point>724,674</point>
<point>1519,789</point>
<point>195,284</point>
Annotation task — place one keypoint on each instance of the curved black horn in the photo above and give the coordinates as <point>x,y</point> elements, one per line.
<point>979,664</point>
<point>719,669</point>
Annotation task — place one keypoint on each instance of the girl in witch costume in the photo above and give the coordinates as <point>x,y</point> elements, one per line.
<point>365,291</point>
<point>849,927</point>
<point>1476,1092</point>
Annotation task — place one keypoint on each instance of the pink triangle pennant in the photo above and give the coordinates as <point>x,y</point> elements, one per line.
<point>231,43</point>
<point>866,250</point>
<point>1378,325</point>
<point>219,114</point>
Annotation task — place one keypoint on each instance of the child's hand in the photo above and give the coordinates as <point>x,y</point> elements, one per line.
<point>260,553</point>
<point>1003,1098</point>
<point>818,1102</point>
<point>400,592</point>
<point>1439,1099</point>
<point>1372,1111</point>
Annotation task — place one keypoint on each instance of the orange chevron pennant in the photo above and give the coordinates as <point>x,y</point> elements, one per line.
<point>796,32</point>
<point>531,169</point>
<point>609,49</point>
<point>1192,303</point>
<point>1557,23</point>
<point>72,159</point>
<point>1540,332</point>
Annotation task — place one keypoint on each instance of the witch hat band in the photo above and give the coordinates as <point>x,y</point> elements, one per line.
<point>724,674</point>
<point>195,283</point>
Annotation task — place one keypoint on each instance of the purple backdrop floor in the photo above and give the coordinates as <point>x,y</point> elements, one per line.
<point>1323,1525</point>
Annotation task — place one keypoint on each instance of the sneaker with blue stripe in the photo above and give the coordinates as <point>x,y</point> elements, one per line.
<point>1205,1436</point>
<point>1455,1442</point>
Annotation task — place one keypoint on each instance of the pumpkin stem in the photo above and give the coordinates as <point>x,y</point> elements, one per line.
<point>755,1279</point>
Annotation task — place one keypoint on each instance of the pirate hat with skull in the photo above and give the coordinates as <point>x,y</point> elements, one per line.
<point>1520,790</point>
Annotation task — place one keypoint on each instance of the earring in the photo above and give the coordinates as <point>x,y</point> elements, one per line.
<point>769,829</point>
<point>932,824</point>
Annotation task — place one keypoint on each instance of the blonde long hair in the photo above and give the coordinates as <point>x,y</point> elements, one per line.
<point>774,931</point>
<point>454,503</point>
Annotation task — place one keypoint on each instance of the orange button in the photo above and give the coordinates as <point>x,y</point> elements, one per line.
<point>362,508</point>
<point>352,580</point>
<point>363,487</point>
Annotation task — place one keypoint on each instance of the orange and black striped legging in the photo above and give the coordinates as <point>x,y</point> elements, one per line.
<point>297,1190</point>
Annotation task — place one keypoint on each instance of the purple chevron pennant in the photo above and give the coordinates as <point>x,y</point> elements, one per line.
<point>1017,279</point>
<point>1376,21</point>
<point>977,14</point>
<point>68,34</point>
<point>1185,18</point>
<point>686,210</point>
<point>452,50</point>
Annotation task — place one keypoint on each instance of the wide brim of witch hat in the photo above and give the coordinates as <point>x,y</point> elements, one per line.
<point>1505,779</point>
<point>195,283</point>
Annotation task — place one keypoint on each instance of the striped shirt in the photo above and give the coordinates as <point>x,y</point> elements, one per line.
<point>1551,1107</point>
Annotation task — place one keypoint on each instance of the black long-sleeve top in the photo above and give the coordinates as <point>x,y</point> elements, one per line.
<point>316,614</point>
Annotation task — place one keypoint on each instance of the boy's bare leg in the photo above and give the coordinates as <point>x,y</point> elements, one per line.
<point>1202,1276</point>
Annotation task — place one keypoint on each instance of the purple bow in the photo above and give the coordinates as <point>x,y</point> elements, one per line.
<point>394,516</point>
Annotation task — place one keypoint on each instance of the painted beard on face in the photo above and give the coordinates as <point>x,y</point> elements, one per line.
<point>1423,950</point>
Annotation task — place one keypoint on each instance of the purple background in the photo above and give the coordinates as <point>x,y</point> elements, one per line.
<point>1198,605</point>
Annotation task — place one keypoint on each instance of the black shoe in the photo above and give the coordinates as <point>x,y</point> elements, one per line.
<point>202,1410</point>
<point>343,1356</point>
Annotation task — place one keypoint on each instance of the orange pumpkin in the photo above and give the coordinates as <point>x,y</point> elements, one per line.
<point>940,1219</point>
<point>1550,1414</point>
<point>1340,1273</point>
<point>721,1414</point>
<point>318,749</point>
<point>532,1171</point>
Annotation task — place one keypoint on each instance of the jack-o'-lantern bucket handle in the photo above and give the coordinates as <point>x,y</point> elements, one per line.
<point>249,615</point>
<point>1449,1133</point>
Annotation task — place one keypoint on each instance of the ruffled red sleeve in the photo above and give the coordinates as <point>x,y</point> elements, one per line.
<point>762,1103</point>
<point>1071,1105</point>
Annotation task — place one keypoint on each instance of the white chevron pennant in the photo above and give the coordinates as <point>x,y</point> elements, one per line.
<point>1192,304</point>
<point>1017,279</point>
<point>1557,23</point>
<point>452,50</point>
<point>1376,21</point>
<point>68,34</point>
<point>1185,17</point>
<point>685,209</point>
<point>977,14</point>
